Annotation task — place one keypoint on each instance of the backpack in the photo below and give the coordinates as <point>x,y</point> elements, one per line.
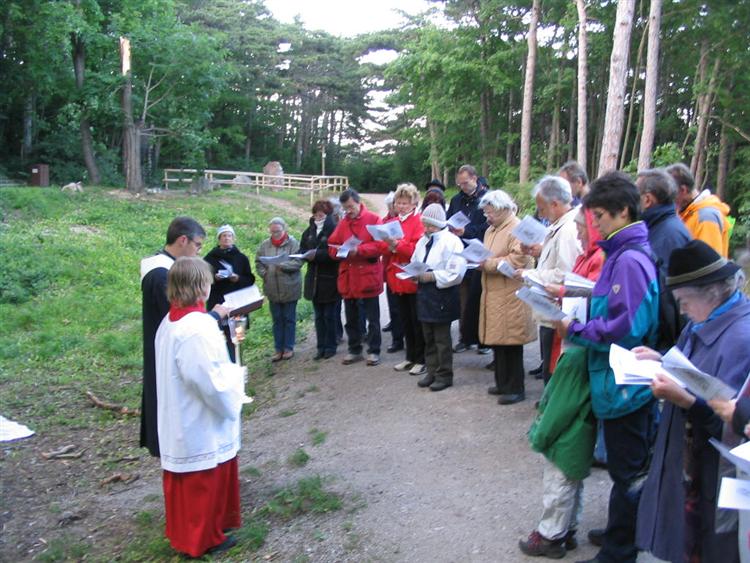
<point>671,322</point>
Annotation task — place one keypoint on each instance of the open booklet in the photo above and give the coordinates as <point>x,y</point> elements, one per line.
<point>390,230</point>
<point>305,255</point>
<point>540,303</point>
<point>227,271</point>
<point>574,281</point>
<point>530,231</point>
<point>412,270</point>
<point>243,301</point>
<point>506,269</point>
<point>458,220</point>
<point>629,370</point>
<point>349,244</point>
<point>701,384</point>
<point>532,279</point>
<point>272,260</point>
<point>474,252</point>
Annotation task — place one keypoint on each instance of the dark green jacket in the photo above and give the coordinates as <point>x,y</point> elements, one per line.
<point>565,429</point>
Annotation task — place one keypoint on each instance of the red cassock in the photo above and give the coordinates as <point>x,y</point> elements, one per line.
<point>200,505</point>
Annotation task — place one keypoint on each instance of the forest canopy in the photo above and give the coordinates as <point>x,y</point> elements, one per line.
<point>222,84</point>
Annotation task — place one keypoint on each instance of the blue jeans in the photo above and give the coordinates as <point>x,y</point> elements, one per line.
<point>628,439</point>
<point>354,324</point>
<point>325,327</point>
<point>284,317</point>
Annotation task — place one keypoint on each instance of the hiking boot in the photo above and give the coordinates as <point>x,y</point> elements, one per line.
<point>406,365</point>
<point>418,369</point>
<point>426,381</point>
<point>536,545</point>
<point>373,359</point>
<point>352,358</point>
<point>596,536</point>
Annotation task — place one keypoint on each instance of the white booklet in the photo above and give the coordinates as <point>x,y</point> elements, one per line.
<point>270,260</point>
<point>305,255</point>
<point>227,270</point>
<point>734,493</point>
<point>458,220</point>
<point>699,383</point>
<point>475,252</point>
<point>541,304</point>
<point>241,298</point>
<point>576,308</point>
<point>739,456</point>
<point>506,269</point>
<point>530,231</point>
<point>390,230</point>
<point>412,270</point>
<point>349,244</point>
<point>578,282</point>
<point>629,370</point>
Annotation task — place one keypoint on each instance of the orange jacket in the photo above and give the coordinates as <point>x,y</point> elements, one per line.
<point>706,219</point>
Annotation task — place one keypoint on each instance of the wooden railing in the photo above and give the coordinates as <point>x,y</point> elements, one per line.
<point>312,184</point>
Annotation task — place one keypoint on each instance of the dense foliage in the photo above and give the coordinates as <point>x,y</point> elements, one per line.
<point>222,84</point>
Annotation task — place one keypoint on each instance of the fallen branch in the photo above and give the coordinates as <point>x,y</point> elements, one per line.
<point>119,477</point>
<point>62,453</point>
<point>111,406</point>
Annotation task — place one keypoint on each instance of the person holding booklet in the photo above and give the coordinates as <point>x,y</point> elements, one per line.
<point>231,272</point>
<point>624,311</point>
<point>678,518</point>
<point>398,251</point>
<point>320,278</point>
<point>438,295</point>
<point>504,321</point>
<point>282,285</point>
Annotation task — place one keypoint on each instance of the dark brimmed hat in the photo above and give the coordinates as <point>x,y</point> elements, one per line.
<point>697,264</point>
<point>436,183</point>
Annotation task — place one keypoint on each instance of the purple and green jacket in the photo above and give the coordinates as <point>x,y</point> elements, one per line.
<point>624,311</point>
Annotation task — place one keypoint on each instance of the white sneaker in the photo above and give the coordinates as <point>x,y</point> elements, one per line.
<point>418,369</point>
<point>403,366</point>
<point>373,359</point>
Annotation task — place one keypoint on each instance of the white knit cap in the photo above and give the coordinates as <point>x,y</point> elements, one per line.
<point>225,229</point>
<point>434,214</point>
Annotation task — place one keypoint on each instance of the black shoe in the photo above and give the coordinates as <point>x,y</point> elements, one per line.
<point>227,544</point>
<point>387,328</point>
<point>539,376</point>
<point>537,370</point>
<point>426,381</point>
<point>570,541</point>
<point>328,355</point>
<point>490,366</point>
<point>319,356</point>
<point>596,536</point>
<point>511,399</point>
<point>493,391</point>
<point>440,385</point>
<point>394,348</point>
<point>599,463</point>
<point>460,347</point>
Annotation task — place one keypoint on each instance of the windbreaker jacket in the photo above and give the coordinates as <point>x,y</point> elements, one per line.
<point>665,232</point>
<point>282,283</point>
<point>362,275</point>
<point>413,230</point>
<point>706,219</point>
<point>469,205</point>
<point>624,311</point>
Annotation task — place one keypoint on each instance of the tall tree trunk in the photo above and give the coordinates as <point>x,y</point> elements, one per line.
<point>582,81</point>
<point>571,124</point>
<point>631,104</point>
<point>87,142</point>
<point>528,95</point>
<point>637,136</point>
<point>131,141</point>
<point>509,137</point>
<point>554,137</point>
<point>723,161</point>
<point>617,82</point>
<point>701,70</point>
<point>652,81</point>
<point>27,141</point>
<point>701,137</point>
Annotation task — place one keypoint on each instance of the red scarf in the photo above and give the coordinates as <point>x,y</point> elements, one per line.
<point>280,241</point>
<point>176,312</point>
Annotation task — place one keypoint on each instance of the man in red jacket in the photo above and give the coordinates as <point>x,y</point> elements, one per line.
<point>360,276</point>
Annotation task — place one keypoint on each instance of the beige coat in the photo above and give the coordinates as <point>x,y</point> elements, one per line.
<point>504,320</point>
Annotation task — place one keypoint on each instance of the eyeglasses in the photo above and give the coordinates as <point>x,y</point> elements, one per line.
<point>197,243</point>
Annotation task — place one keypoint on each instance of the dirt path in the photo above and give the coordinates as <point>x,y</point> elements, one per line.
<point>438,476</point>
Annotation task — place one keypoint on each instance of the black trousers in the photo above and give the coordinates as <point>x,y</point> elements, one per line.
<point>509,369</point>
<point>397,323</point>
<point>354,324</point>
<point>413,335</point>
<point>471,296</point>
<point>438,351</point>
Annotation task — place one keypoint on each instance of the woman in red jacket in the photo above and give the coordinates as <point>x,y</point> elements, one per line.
<point>399,251</point>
